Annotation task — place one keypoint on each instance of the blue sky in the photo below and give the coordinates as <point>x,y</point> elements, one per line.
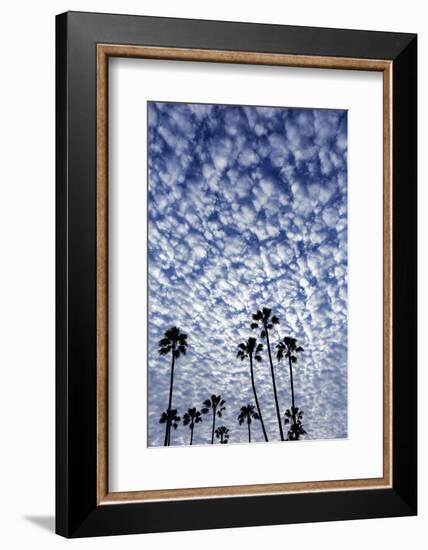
<point>248,208</point>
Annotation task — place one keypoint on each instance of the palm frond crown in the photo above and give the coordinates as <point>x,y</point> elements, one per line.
<point>192,416</point>
<point>263,320</point>
<point>216,403</point>
<point>248,413</point>
<point>171,417</point>
<point>287,347</point>
<point>222,433</point>
<point>173,340</point>
<point>250,348</point>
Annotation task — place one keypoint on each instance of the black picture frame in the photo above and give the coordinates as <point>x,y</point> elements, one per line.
<point>77,511</point>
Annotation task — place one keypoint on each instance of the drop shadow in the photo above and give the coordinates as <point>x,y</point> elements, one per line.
<point>45,522</point>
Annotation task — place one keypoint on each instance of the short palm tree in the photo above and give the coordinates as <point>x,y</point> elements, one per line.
<point>222,433</point>
<point>171,419</point>
<point>216,404</point>
<point>288,348</point>
<point>295,416</point>
<point>192,417</point>
<point>174,342</point>
<point>264,321</point>
<point>248,414</point>
<point>251,350</point>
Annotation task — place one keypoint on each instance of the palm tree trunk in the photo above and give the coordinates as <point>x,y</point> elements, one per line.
<point>167,434</point>
<point>255,397</point>
<point>171,384</point>
<point>249,431</point>
<point>191,434</point>
<point>292,390</point>
<point>281,433</point>
<point>212,434</point>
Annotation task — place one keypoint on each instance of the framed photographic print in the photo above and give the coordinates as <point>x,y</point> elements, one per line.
<point>236,274</point>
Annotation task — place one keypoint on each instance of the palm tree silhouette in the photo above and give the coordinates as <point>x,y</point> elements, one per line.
<point>250,349</point>
<point>288,348</point>
<point>247,414</point>
<point>216,404</point>
<point>263,320</point>
<point>174,341</point>
<point>222,433</point>
<point>192,417</point>
<point>170,418</point>
<point>296,428</point>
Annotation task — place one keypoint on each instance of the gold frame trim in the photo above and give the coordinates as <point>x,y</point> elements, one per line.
<point>104,51</point>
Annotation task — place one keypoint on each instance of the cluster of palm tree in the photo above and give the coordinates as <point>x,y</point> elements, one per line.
<point>174,342</point>
<point>286,348</point>
<point>217,405</point>
<point>289,349</point>
<point>193,416</point>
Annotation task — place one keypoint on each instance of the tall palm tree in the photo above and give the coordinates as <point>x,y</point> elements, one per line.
<point>288,348</point>
<point>263,320</point>
<point>192,417</point>
<point>250,349</point>
<point>170,418</point>
<point>216,404</point>
<point>248,414</point>
<point>222,433</point>
<point>174,342</point>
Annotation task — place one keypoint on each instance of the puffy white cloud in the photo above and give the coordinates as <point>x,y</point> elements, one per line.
<point>330,217</point>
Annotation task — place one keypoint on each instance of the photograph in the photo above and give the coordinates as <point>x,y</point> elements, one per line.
<point>247,274</point>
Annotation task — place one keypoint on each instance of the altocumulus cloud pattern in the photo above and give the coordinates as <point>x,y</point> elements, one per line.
<point>247,208</point>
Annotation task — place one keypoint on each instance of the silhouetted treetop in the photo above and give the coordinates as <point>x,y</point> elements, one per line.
<point>250,347</point>
<point>171,417</point>
<point>248,413</point>
<point>174,340</point>
<point>288,347</point>
<point>192,416</point>
<point>262,319</point>
<point>222,433</point>
<point>216,403</point>
<point>295,419</point>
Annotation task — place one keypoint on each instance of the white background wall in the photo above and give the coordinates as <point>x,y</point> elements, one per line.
<point>27,88</point>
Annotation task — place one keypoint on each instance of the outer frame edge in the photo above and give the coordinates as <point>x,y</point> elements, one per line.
<point>405,273</point>
<point>406,502</point>
<point>61,266</point>
<point>118,519</point>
